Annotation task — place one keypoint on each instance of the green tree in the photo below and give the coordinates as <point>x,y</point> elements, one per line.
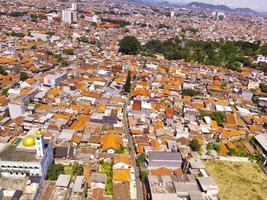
<point>83,39</point>
<point>2,71</point>
<point>219,117</point>
<point>263,88</point>
<point>141,158</point>
<point>77,169</point>
<point>23,76</point>
<point>194,145</point>
<point>144,174</point>
<point>129,45</point>
<point>127,85</point>
<point>190,92</point>
<point>5,91</point>
<point>69,51</point>
<point>54,171</point>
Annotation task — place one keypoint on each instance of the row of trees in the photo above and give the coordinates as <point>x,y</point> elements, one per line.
<point>120,23</point>
<point>55,170</point>
<point>229,54</point>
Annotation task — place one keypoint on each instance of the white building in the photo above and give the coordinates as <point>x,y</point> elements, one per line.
<point>53,80</point>
<point>172,14</point>
<point>16,109</point>
<point>261,58</point>
<point>91,18</point>
<point>30,155</point>
<point>69,16</point>
<point>41,36</point>
<point>74,6</point>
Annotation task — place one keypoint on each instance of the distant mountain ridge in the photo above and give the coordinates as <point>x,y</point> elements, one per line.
<point>198,5</point>
<point>223,8</point>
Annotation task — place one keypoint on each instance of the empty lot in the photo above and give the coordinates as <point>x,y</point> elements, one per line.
<point>239,181</point>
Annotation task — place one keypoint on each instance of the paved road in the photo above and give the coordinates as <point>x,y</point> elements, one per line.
<point>140,194</point>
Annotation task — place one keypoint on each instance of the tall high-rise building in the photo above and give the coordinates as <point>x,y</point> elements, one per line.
<point>70,15</point>
<point>74,5</point>
<point>172,14</point>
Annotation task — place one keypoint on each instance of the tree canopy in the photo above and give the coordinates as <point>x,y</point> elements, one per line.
<point>127,85</point>
<point>23,76</point>
<point>194,145</point>
<point>228,54</point>
<point>129,45</point>
<point>54,171</point>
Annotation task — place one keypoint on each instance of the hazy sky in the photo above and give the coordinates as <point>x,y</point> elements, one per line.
<point>259,5</point>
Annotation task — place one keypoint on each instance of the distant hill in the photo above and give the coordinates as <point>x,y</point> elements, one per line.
<point>223,8</point>
<point>198,5</point>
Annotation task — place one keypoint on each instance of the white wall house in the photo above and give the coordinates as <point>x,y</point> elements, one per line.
<point>261,58</point>
<point>16,109</point>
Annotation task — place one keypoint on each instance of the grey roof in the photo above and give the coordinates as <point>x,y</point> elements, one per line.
<point>262,140</point>
<point>185,187</point>
<point>207,183</point>
<point>196,195</point>
<point>165,196</point>
<point>16,195</point>
<point>99,178</point>
<point>61,152</point>
<point>63,180</point>
<point>10,153</point>
<point>157,159</point>
<point>78,184</point>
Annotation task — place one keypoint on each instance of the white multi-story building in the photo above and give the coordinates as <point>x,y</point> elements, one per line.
<point>53,80</point>
<point>27,156</point>
<point>16,109</point>
<point>172,14</point>
<point>70,15</point>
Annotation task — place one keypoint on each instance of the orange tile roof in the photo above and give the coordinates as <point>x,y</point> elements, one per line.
<point>136,105</point>
<point>222,102</point>
<point>231,145</point>
<point>76,139</point>
<point>187,99</point>
<point>111,141</point>
<point>3,100</point>
<point>9,60</point>
<point>198,105</point>
<point>54,92</point>
<point>214,125</point>
<point>122,158</point>
<point>140,91</point>
<point>42,107</point>
<point>159,125</point>
<point>231,132</point>
<point>161,171</point>
<point>155,145</point>
<point>121,175</point>
<point>136,131</point>
<point>80,123</point>
<point>223,150</point>
<point>67,117</point>
<point>231,118</point>
<point>255,128</point>
<point>169,112</point>
<point>101,107</point>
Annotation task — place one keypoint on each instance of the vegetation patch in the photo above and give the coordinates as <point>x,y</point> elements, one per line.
<point>238,180</point>
<point>106,168</point>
